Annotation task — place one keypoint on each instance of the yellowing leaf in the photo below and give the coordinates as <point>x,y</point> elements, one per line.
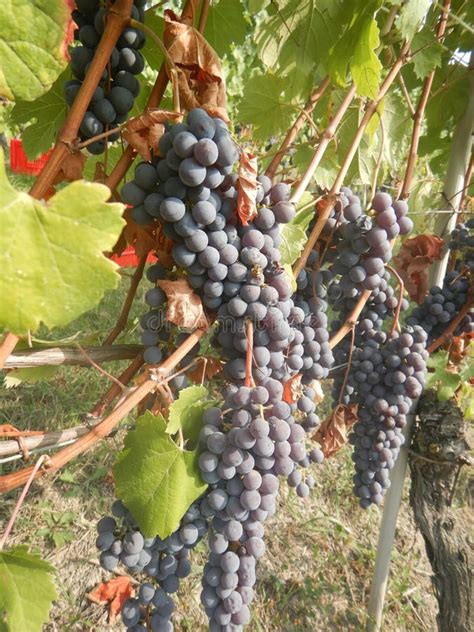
<point>51,257</point>
<point>365,65</point>
<point>32,55</point>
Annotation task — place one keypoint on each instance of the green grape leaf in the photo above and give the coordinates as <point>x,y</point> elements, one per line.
<point>365,65</point>
<point>293,239</point>
<point>155,479</point>
<point>449,385</point>
<point>272,33</point>
<point>32,54</point>
<point>356,49</point>
<point>53,268</point>
<point>293,236</point>
<point>226,25</point>
<point>26,591</point>
<point>465,398</point>
<point>319,25</point>
<point>438,361</point>
<point>411,14</point>
<point>29,375</point>
<point>264,106</point>
<point>150,51</point>
<point>47,115</point>
<point>186,413</point>
<point>289,271</point>
<point>427,55</point>
<point>257,5</point>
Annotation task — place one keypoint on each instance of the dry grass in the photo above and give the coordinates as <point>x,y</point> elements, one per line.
<point>319,563</point>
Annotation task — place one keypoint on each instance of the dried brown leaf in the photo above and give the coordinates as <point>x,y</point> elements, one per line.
<point>205,370</point>
<point>184,306</point>
<point>144,239</point>
<point>292,389</point>
<point>413,261</point>
<point>71,169</point>
<point>200,77</point>
<point>144,132</point>
<point>114,592</point>
<point>247,187</point>
<point>332,434</point>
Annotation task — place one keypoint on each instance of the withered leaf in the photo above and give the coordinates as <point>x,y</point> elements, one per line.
<point>144,239</point>
<point>114,592</point>
<point>292,390</point>
<point>247,187</point>
<point>332,434</point>
<point>184,306</point>
<point>144,132</point>
<point>207,369</point>
<point>200,77</point>
<point>413,261</point>
<point>72,168</point>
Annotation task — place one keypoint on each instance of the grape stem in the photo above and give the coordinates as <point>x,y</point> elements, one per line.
<point>92,139</point>
<point>349,363</point>
<point>102,371</point>
<point>296,127</point>
<point>69,356</point>
<point>203,15</point>
<point>420,110</point>
<point>332,195</point>
<point>20,501</point>
<point>326,138</point>
<point>148,383</point>
<point>351,320</point>
<point>406,95</point>
<point>173,70</point>
<point>127,306</point>
<point>249,381</point>
<point>114,390</point>
<point>396,318</point>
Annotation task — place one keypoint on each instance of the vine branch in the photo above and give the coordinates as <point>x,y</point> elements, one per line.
<point>451,328</point>
<point>58,356</point>
<point>149,381</point>
<point>331,197</point>
<point>351,320</point>
<point>296,127</point>
<point>127,306</point>
<point>420,110</point>
<point>115,23</point>
<point>7,346</point>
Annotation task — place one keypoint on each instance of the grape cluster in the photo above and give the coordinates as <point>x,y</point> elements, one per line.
<point>114,97</point>
<point>245,449</point>
<point>386,379</point>
<point>178,187</point>
<point>164,561</point>
<point>441,306</point>
<point>154,335</point>
<point>311,341</point>
<point>361,244</point>
<point>462,241</point>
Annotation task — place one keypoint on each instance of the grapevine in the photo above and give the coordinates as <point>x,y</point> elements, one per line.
<point>281,290</point>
